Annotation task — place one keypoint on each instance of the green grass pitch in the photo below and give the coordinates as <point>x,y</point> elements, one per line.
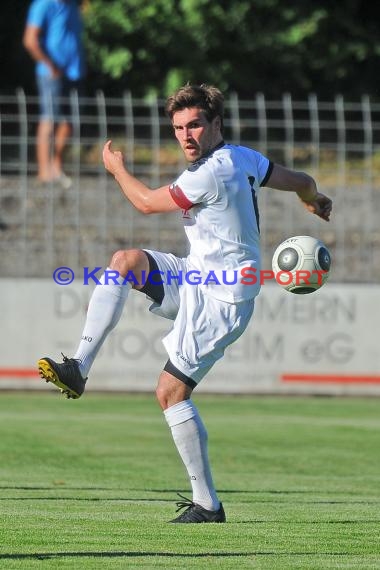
<point>92,483</point>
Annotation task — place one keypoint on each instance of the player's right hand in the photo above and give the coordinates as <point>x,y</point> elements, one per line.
<point>113,159</point>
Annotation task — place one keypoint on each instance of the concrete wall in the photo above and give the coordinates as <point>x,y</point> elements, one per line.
<point>323,343</point>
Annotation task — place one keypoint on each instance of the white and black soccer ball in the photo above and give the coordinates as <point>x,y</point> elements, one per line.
<point>301,264</point>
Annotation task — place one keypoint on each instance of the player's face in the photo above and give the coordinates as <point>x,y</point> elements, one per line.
<point>196,135</point>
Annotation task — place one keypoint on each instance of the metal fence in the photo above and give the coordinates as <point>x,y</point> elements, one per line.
<point>42,228</point>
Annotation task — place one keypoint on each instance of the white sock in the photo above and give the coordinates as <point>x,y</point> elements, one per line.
<point>104,311</point>
<point>190,438</point>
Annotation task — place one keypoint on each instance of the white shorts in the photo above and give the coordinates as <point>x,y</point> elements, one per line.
<point>203,326</point>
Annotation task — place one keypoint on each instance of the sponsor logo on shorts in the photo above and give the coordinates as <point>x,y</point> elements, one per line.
<point>183,358</point>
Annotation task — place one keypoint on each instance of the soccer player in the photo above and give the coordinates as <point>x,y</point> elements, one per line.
<point>217,198</point>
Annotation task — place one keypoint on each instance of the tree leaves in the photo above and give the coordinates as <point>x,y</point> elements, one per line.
<point>244,46</point>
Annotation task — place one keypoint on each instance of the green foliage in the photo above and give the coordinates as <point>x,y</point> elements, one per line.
<point>242,45</point>
<point>127,42</point>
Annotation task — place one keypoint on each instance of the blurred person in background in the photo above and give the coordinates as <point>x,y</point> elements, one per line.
<point>53,38</point>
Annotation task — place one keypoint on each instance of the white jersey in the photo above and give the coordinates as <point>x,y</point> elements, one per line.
<point>218,195</point>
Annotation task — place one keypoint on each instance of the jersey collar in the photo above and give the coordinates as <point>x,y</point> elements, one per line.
<point>217,147</point>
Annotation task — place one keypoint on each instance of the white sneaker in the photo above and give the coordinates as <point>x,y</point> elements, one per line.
<point>64,181</point>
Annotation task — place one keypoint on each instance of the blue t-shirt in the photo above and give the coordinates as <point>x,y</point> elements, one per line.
<point>61,30</point>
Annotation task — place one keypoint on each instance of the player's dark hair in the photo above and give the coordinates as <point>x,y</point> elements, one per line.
<point>205,97</point>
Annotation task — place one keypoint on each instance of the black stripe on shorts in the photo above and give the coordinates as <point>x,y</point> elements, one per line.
<point>169,367</point>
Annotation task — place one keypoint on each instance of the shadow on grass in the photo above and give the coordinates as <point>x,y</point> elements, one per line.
<point>277,493</point>
<point>55,487</point>
<point>122,554</point>
<point>163,500</point>
<point>62,486</point>
<point>305,522</point>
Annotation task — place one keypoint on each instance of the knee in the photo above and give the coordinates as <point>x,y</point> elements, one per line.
<point>128,260</point>
<point>162,396</point>
<point>171,391</point>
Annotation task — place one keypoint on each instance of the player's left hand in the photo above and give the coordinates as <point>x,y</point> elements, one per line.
<point>113,159</point>
<point>321,206</point>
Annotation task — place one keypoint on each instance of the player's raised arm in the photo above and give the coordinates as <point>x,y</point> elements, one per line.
<point>144,199</point>
<point>304,186</point>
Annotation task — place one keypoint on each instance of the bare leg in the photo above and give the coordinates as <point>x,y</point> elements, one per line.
<point>43,142</point>
<point>171,391</point>
<point>62,134</point>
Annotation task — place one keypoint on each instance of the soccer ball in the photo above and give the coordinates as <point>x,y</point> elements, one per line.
<point>301,264</point>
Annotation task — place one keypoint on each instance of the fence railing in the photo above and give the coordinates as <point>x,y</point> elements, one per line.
<point>338,142</point>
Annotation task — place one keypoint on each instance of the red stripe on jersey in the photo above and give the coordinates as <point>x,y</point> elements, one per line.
<point>179,197</point>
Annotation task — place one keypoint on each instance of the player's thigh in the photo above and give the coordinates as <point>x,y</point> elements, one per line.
<point>203,329</point>
<point>171,273</point>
